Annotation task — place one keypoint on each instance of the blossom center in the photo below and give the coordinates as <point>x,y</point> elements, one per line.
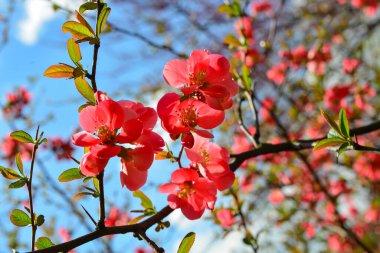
<point>197,79</point>
<point>188,117</point>
<point>186,189</point>
<point>106,135</point>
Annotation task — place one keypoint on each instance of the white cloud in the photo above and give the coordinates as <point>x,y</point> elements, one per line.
<point>37,13</point>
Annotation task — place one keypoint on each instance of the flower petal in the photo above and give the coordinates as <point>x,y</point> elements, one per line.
<point>105,151</point>
<point>84,139</point>
<point>91,166</point>
<point>182,175</point>
<point>110,114</point>
<point>175,73</point>
<point>131,177</point>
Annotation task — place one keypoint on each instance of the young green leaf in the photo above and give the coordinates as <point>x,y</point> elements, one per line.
<point>84,22</point>
<point>89,6</point>
<point>145,201</point>
<point>328,143</point>
<point>187,243</point>
<point>69,175</point>
<point>43,243</point>
<point>102,20</point>
<point>230,9</point>
<point>77,30</point>
<point>18,184</point>
<point>342,148</point>
<point>81,195</point>
<point>231,40</point>
<point>19,164</point>
<point>40,220</point>
<point>331,122</point>
<point>20,218</point>
<point>84,89</point>
<point>22,136</point>
<point>343,123</point>
<point>9,173</point>
<point>59,71</point>
<point>74,51</point>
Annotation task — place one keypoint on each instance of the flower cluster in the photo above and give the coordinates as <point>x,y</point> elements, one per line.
<point>15,102</point>
<point>207,88</point>
<point>109,124</point>
<point>369,6</point>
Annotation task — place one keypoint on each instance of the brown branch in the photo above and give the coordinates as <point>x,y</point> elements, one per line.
<point>137,228</point>
<point>297,145</point>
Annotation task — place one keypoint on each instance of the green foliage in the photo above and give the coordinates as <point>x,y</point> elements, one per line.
<point>70,174</point>
<point>22,136</point>
<point>43,243</point>
<point>20,218</point>
<point>186,243</point>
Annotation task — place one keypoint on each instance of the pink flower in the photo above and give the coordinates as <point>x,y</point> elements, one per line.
<point>335,96</point>
<point>116,218</point>
<point>250,57</point>
<point>296,56</point>
<point>317,59</point>
<point>276,197</point>
<point>263,6</point>
<point>104,120</point>
<point>226,218</point>
<point>135,123</point>
<point>205,77</point>
<point>16,102</point>
<point>368,166</point>
<point>212,162</point>
<point>10,147</point>
<point>61,148</point>
<point>243,27</point>
<point>369,6</point>
<point>190,193</point>
<point>183,117</point>
<point>277,73</point>
<point>349,66</point>
<point>309,229</point>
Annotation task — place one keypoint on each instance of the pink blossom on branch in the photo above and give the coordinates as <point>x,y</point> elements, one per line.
<point>190,192</point>
<point>212,162</point>
<point>203,76</point>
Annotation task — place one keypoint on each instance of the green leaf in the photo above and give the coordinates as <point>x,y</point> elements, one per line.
<point>137,219</point>
<point>246,77</point>
<point>20,218</point>
<point>342,148</point>
<point>43,243</point>
<point>59,71</point>
<point>77,30</point>
<point>87,6</point>
<point>95,182</point>
<point>18,184</point>
<point>9,173</point>
<point>69,175</point>
<point>84,22</point>
<point>145,201</point>
<point>230,9</point>
<point>40,220</point>
<point>19,164</point>
<point>102,20</point>
<point>81,195</point>
<point>343,123</point>
<point>187,243</point>
<point>22,136</point>
<point>328,143</point>
<point>84,89</point>
<point>331,122</point>
<point>231,40</point>
<point>74,51</point>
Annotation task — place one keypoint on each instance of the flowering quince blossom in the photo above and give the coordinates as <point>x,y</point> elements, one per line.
<point>16,101</point>
<point>226,218</point>
<point>184,116</point>
<point>10,147</point>
<point>277,73</point>
<point>349,66</point>
<point>212,162</point>
<point>203,76</point>
<point>261,7</point>
<point>135,123</point>
<point>190,192</point>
